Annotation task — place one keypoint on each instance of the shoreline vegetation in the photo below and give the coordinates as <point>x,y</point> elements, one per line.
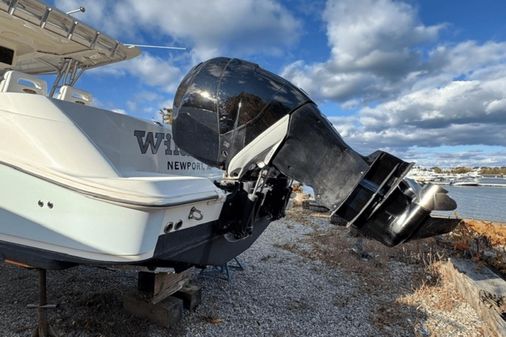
<point>480,240</point>
<point>495,171</point>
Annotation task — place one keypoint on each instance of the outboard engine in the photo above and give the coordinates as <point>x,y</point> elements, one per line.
<point>234,115</point>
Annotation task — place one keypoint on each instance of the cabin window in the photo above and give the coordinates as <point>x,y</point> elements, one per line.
<point>6,55</point>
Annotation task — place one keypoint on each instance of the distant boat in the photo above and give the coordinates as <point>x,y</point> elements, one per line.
<point>479,181</point>
<point>466,182</point>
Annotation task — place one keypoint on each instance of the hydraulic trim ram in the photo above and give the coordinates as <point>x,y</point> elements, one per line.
<point>236,116</point>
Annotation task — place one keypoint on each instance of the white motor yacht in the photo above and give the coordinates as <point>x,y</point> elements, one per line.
<point>84,185</point>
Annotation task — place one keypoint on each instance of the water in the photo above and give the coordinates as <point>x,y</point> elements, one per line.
<point>478,202</point>
<point>473,202</point>
<point>493,181</point>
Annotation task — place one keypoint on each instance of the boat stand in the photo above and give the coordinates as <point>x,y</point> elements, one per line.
<point>162,296</point>
<point>222,272</point>
<point>43,327</point>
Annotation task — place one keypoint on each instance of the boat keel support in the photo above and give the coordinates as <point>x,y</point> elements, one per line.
<point>160,286</point>
<point>43,328</point>
<point>162,297</point>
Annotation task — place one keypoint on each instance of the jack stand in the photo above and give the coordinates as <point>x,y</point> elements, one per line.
<point>43,327</point>
<point>222,272</point>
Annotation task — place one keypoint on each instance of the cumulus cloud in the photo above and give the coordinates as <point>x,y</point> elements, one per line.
<point>459,102</point>
<point>430,119</point>
<point>375,36</point>
<point>211,27</point>
<point>207,27</point>
<point>119,111</point>
<point>374,46</point>
<point>460,112</point>
<point>408,88</point>
<point>154,71</point>
<point>400,86</point>
<point>486,156</point>
<point>161,75</point>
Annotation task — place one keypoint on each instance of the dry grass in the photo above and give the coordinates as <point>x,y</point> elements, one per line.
<point>404,282</point>
<point>482,241</point>
<point>435,290</point>
<point>494,232</point>
<point>440,299</point>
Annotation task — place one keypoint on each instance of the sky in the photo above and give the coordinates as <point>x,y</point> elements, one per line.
<point>424,80</point>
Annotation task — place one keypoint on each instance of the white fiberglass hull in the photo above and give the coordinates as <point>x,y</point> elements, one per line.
<point>43,215</point>
<point>82,183</point>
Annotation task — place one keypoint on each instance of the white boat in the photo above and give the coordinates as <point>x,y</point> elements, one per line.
<point>466,182</point>
<point>83,185</point>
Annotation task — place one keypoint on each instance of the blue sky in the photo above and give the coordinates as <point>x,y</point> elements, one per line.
<point>425,80</point>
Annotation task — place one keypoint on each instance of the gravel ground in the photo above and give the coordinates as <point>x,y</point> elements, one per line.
<point>294,284</point>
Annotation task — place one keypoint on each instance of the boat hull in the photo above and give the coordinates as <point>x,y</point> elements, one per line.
<point>48,217</point>
<point>87,185</point>
<point>198,246</point>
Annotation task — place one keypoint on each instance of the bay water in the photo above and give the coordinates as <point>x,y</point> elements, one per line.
<point>478,202</point>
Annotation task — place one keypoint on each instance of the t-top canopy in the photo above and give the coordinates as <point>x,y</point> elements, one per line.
<point>37,39</point>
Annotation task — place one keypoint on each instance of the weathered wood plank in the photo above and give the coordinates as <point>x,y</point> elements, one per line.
<point>161,285</point>
<point>166,313</point>
<point>484,290</point>
<point>191,296</point>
